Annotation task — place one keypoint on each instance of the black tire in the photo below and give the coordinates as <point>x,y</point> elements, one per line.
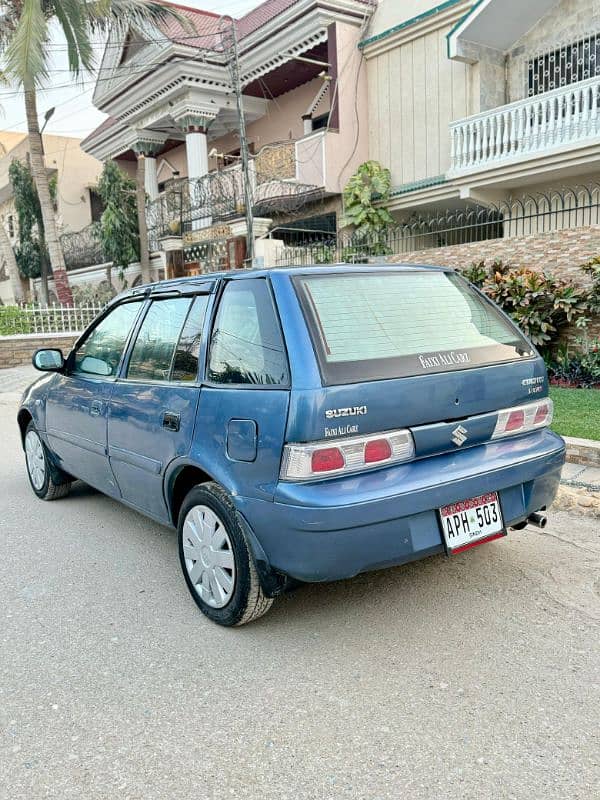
<point>248,600</point>
<point>56,484</point>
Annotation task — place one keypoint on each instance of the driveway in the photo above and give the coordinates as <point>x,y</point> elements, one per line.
<point>475,677</point>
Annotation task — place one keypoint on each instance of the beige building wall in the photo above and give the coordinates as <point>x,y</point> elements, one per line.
<point>348,149</point>
<point>394,12</point>
<point>75,170</point>
<point>283,120</point>
<point>415,92</point>
<point>8,140</point>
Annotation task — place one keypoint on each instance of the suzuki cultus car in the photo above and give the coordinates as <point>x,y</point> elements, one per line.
<point>302,424</point>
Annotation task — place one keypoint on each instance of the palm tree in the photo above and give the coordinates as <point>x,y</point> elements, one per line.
<point>24,36</point>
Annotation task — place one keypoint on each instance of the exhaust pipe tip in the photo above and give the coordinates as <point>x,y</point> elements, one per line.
<point>539,520</point>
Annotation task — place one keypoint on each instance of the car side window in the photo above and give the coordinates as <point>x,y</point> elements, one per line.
<point>247,344</point>
<point>185,362</point>
<point>100,353</point>
<point>154,347</point>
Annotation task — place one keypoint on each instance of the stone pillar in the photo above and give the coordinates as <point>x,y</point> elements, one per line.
<point>151,178</point>
<point>194,122</point>
<point>196,151</point>
<point>307,122</point>
<point>146,145</point>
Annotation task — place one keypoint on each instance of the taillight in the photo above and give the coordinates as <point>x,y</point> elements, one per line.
<point>343,456</point>
<point>377,450</point>
<point>523,419</point>
<point>327,459</point>
<point>541,415</point>
<point>515,421</point>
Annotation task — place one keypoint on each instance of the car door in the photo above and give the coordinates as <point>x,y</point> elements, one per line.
<point>153,403</point>
<point>245,395</point>
<point>77,403</point>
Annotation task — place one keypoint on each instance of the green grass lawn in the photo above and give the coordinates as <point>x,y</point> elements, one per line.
<point>576,412</point>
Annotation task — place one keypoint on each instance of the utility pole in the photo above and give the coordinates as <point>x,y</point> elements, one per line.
<point>230,46</point>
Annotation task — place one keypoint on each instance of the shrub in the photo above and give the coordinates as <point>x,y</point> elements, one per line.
<point>581,369</point>
<point>14,320</point>
<point>365,196</point>
<point>539,303</point>
<point>592,268</point>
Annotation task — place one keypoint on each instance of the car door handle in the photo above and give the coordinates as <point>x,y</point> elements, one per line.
<point>96,408</point>
<point>171,421</point>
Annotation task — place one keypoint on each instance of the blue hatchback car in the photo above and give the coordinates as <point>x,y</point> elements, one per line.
<point>301,424</point>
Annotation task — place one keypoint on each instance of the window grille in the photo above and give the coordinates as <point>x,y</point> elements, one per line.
<point>564,65</point>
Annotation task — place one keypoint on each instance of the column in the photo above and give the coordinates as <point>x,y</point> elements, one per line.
<point>196,151</point>
<point>146,146</point>
<point>151,178</point>
<point>194,122</point>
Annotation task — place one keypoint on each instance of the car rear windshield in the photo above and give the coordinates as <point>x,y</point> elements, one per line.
<point>372,326</point>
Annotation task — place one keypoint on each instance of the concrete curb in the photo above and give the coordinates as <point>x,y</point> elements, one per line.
<point>583,451</point>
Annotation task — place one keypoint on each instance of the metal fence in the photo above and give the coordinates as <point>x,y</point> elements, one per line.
<point>33,318</point>
<point>528,215</point>
<point>83,248</point>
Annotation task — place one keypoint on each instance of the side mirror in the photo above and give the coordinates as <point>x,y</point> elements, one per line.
<point>50,360</point>
<point>94,366</point>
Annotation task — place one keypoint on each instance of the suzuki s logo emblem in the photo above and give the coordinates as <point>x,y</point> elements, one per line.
<point>459,436</point>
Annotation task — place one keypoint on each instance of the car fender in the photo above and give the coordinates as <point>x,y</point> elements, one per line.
<point>33,402</point>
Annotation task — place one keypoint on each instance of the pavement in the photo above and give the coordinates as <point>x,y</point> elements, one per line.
<point>580,475</point>
<point>468,678</point>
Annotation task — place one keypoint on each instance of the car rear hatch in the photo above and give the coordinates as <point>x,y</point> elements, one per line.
<point>412,348</point>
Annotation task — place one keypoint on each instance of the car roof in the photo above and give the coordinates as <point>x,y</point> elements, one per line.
<point>240,274</point>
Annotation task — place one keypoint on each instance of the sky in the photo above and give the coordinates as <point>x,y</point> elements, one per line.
<point>74,113</point>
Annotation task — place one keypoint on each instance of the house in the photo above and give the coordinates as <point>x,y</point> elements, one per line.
<point>77,205</point>
<point>488,116</point>
<point>169,93</point>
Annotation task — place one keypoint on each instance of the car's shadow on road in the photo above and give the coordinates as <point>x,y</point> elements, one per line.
<point>474,584</point>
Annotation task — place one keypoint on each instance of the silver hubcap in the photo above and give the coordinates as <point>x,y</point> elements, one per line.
<point>208,556</point>
<point>36,464</point>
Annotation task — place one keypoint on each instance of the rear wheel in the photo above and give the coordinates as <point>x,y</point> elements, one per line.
<point>48,482</point>
<point>216,560</point>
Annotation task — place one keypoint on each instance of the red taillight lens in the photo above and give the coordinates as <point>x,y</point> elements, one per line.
<point>515,421</point>
<point>377,450</point>
<point>523,419</point>
<point>542,414</point>
<point>326,460</point>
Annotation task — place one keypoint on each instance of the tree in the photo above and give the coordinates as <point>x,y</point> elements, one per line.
<point>370,184</point>
<point>118,228</point>
<point>24,39</point>
<point>31,253</point>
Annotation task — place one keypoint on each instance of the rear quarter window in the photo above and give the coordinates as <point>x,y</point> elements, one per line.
<point>371,326</point>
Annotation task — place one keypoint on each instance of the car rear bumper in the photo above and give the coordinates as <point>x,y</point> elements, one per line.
<point>338,528</point>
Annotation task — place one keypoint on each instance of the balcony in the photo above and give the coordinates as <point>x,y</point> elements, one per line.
<point>555,121</point>
<point>283,177</point>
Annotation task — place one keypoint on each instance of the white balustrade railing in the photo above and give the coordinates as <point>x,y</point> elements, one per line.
<point>34,318</point>
<point>528,127</point>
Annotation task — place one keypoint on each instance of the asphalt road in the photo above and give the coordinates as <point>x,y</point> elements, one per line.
<point>476,677</point>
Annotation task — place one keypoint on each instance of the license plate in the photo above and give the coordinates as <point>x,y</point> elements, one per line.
<point>471,522</point>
